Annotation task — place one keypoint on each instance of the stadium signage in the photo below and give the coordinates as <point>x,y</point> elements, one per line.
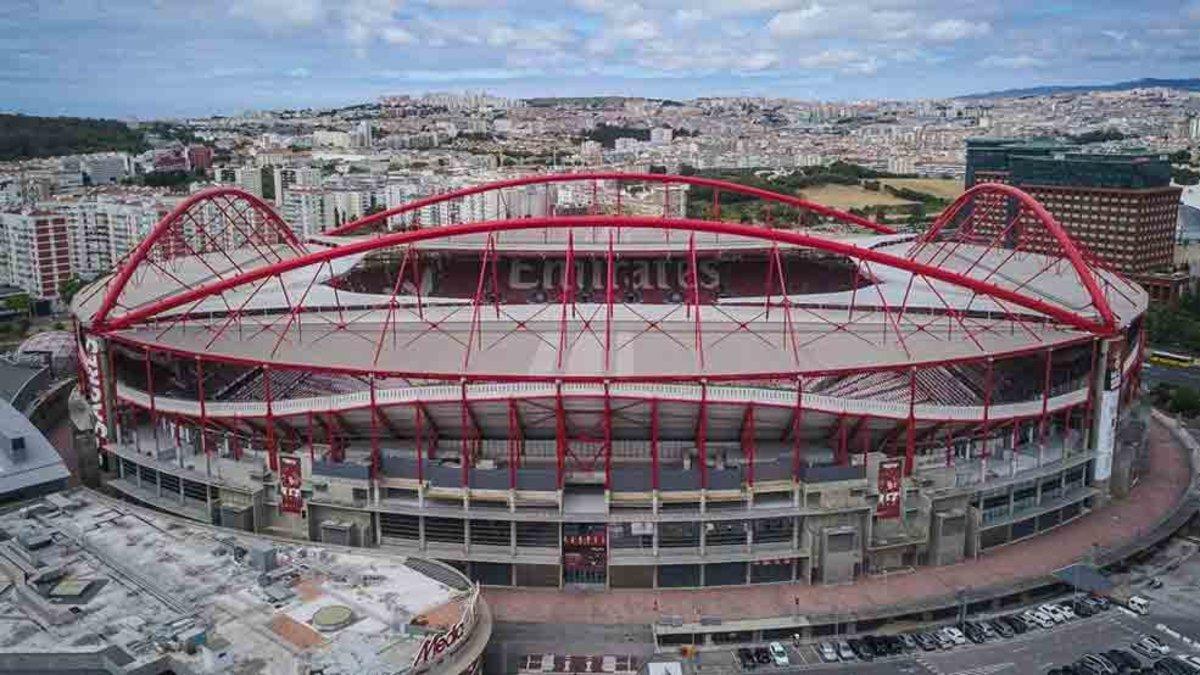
<point>639,275</point>
<point>889,489</point>
<point>291,500</point>
<point>434,646</point>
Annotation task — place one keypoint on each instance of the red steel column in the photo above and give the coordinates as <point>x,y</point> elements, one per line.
<point>702,434</point>
<point>312,453</point>
<point>987,404</point>
<point>748,447</point>
<point>797,425</point>
<point>608,438</point>
<point>1045,396</point>
<point>376,460</point>
<point>560,432</point>
<point>272,450</point>
<point>419,432</point>
<point>203,411</point>
<point>464,419</point>
<point>654,443</point>
<point>150,391</point>
<point>910,444</point>
<point>514,430</point>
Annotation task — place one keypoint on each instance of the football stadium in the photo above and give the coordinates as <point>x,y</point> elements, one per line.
<point>596,380</point>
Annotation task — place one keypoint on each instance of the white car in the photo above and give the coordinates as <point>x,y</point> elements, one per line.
<point>1039,619</point>
<point>845,653</point>
<point>955,635</point>
<point>1193,661</point>
<point>1155,645</point>
<point>1053,612</point>
<point>1067,611</point>
<point>778,654</point>
<point>828,652</point>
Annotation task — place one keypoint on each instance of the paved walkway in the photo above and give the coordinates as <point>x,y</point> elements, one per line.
<point>1111,526</point>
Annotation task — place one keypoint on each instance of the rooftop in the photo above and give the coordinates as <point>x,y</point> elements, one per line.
<point>93,576</point>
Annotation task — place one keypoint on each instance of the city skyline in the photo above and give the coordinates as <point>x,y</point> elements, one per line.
<point>181,59</point>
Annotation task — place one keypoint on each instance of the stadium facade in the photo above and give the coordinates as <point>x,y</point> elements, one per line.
<point>585,396</point>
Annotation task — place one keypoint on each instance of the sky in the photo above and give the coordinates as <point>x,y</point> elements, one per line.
<point>145,59</point>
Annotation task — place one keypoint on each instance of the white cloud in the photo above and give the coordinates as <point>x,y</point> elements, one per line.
<point>299,72</point>
<point>1017,61</point>
<point>951,30</point>
<point>638,30</point>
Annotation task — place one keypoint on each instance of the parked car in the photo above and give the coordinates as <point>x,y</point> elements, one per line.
<point>1016,623</point>
<point>844,651</point>
<point>1123,659</point>
<point>926,641</point>
<point>1083,608</point>
<point>1066,610</point>
<point>1172,666</point>
<point>1102,603</point>
<point>762,656</point>
<point>1056,615</point>
<point>1002,628</point>
<point>746,658</point>
<point>973,632</point>
<point>1037,618</point>
<point>910,643</point>
<point>1155,582</point>
<point>955,635</point>
<point>1192,661</point>
<point>778,654</point>
<point>1150,647</point>
<point>827,651</point>
<point>861,650</point>
<point>1138,604</point>
<point>1156,644</point>
<point>1100,664</point>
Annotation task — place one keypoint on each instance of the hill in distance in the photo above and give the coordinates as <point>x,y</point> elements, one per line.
<point>1187,84</point>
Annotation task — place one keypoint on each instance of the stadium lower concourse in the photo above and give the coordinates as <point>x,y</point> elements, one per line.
<point>543,386</point>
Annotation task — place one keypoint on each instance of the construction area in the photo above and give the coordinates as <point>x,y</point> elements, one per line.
<point>92,585</point>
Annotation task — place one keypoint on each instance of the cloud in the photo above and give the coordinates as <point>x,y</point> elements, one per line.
<point>950,30</point>
<point>1017,61</point>
<point>299,72</point>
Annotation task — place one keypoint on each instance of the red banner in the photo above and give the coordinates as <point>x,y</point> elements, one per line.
<point>290,498</point>
<point>889,489</point>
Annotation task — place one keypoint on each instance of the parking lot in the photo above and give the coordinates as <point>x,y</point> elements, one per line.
<point>1036,651</point>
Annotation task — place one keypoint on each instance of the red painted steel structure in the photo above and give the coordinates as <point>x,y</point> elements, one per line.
<point>171,232</point>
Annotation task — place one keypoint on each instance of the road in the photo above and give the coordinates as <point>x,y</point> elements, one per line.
<point>1153,374</point>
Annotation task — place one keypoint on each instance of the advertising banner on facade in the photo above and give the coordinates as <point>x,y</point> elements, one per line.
<point>290,498</point>
<point>889,488</point>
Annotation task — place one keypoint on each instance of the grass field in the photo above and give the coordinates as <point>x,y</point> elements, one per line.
<point>850,197</point>
<point>946,188</point>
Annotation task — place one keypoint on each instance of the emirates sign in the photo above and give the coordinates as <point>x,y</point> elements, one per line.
<point>435,646</point>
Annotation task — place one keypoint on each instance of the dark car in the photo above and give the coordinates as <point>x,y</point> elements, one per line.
<point>974,633</point>
<point>745,658</point>
<point>926,642</point>
<point>762,655</point>
<point>1083,609</point>
<point>1102,602</point>
<point>1122,659</point>
<point>1002,628</point>
<point>1172,666</point>
<point>861,650</point>
<point>1016,623</point>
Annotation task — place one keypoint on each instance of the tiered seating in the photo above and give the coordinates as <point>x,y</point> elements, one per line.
<point>944,388</point>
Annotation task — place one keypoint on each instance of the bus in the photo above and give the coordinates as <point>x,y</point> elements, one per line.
<point>1163,358</point>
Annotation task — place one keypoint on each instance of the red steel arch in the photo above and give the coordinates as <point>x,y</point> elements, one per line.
<point>1068,246</point>
<point>1105,326</point>
<point>174,219</point>
<point>666,179</point>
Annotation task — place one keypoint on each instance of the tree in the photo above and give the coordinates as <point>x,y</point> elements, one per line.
<point>1185,401</point>
<point>18,302</point>
<point>68,288</point>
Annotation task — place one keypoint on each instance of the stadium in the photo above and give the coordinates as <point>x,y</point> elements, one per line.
<point>586,380</point>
